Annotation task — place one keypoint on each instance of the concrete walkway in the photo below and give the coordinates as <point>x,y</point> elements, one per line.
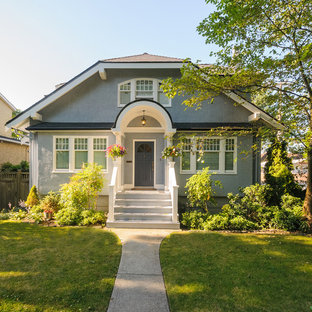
<point>139,286</point>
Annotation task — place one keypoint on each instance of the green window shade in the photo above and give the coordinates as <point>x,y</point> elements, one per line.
<point>62,160</point>
<point>99,157</point>
<point>229,161</point>
<point>186,161</point>
<point>209,159</point>
<point>80,158</point>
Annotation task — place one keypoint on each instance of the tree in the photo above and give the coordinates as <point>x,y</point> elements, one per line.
<point>271,60</point>
<point>278,175</point>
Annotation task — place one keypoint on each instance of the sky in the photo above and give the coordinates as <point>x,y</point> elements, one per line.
<point>43,43</point>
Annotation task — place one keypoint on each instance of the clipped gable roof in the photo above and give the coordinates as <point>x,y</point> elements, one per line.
<point>143,58</point>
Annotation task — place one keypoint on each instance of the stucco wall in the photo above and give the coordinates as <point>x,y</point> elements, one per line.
<point>96,100</point>
<point>12,152</point>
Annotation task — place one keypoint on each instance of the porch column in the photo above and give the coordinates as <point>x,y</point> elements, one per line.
<point>169,141</point>
<point>118,161</point>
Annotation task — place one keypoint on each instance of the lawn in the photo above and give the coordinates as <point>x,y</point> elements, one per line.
<point>207,271</point>
<point>56,269</point>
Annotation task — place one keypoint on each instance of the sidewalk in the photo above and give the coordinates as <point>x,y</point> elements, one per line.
<point>139,286</point>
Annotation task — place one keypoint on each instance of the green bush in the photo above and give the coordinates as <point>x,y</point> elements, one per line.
<point>200,189</point>
<point>241,224</point>
<point>51,202</point>
<point>290,216</point>
<point>33,197</point>
<point>9,167</point>
<point>217,222</point>
<point>4,216</point>
<point>68,216</point>
<point>194,219</point>
<point>36,213</point>
<point>19,215</point>
<point>92,217</point>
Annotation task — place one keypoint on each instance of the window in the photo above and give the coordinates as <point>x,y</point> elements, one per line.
<point>141,89</point>
<point>99,154</point>
<point>62,153</point>
<point>216,153</point>
<point>71,152</point>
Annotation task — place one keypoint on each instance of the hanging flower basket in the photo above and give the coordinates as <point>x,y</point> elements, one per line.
<point>115,151</point>
<point>48,214</point>
<point>171,151</point>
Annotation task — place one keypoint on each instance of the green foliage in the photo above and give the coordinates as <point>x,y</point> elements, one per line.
<point>194,220</point>
<point>32,198</point>
<point>290,216</point>
<point>18,215</point>
<point>51,202</point>
<point>4,216</point>
<point>68,216</point>
<point>82,190</point>
<point>216,222</point>
<point>278,173</point>
<point>92,217</point>
<point>36,213</point>
<point>200,189</point>
<point>9,167</point>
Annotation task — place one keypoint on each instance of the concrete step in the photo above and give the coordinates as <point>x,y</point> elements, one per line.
<point>143,225</point>
<point>136,209</point>
<point>143,202</point>
<point>143,195</point>
<point>143,216</point>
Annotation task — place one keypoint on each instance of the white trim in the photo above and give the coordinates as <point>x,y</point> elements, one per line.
<point>221,152</point>
<point>13,141</point>
<point>5,100</point>
<point>133,91</point>
<point>147,65</point>
<point>133,168</point>
<point>71,150</point>
<point>252,108</point>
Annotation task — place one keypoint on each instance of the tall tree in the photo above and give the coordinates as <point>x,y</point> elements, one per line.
<point>265,51</point>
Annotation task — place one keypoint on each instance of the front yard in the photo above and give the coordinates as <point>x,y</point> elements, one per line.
<point>56,269</point>
<point>218,272</point>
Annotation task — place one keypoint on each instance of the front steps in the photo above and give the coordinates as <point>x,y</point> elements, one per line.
<point>143,209</point>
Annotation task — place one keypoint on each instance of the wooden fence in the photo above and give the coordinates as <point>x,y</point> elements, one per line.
<point>13,187</point>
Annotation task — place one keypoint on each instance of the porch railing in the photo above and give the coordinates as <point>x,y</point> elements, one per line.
<point>173,189</point>
<point>112,190</point>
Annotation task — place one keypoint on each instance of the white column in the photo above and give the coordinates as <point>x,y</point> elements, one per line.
<point>169,142</point>
<point>118,162</point>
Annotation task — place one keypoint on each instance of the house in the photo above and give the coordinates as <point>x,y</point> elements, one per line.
<point>11,149</point>
<point>120,101</point>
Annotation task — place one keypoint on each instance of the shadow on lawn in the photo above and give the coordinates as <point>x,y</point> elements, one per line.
<point>207,271</point>
<point>56,269</point>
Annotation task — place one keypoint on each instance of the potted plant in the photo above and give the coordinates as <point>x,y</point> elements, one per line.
<point>116,150</point>
<point>171,151</point>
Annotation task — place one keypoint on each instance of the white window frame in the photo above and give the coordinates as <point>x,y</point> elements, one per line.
<point>221,151</point>
<point>133,90</point>
<point>71,139</point>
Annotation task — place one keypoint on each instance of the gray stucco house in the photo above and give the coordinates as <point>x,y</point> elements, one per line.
<point>104,105</point>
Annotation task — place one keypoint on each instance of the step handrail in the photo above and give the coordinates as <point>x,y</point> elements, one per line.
<point>112,190</point>
<point>173,189</point>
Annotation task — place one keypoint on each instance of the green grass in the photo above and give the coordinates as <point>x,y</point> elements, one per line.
<point>56,269</point>
<point>217,272</point>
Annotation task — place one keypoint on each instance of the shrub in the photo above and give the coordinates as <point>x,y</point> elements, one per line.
<point>241,224</point>
<point>4,216</point>
<point>19,215</point>
<point>9,167</point>
<point>200,189</point>
<point>194,220</point>
<point>217,222</point>
<point>32,198</point>
<point>51,202</point>
<point>290,216</point>
<point>36,213</point>
<point>82,190</point>
<point>68,216</point>
<point>92,217</point>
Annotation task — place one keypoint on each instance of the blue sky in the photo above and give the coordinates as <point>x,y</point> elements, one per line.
<point>43,43</point>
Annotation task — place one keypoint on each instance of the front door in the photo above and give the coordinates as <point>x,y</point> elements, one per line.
<point>144,164</point>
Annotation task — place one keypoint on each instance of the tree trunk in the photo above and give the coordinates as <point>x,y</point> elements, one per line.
<point>307,206</point>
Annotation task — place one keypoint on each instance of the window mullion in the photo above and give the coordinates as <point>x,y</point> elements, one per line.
<point>222,156</point>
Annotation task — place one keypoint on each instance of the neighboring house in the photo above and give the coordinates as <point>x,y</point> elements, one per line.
<point>11,149</point>
<point>104,105</point>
